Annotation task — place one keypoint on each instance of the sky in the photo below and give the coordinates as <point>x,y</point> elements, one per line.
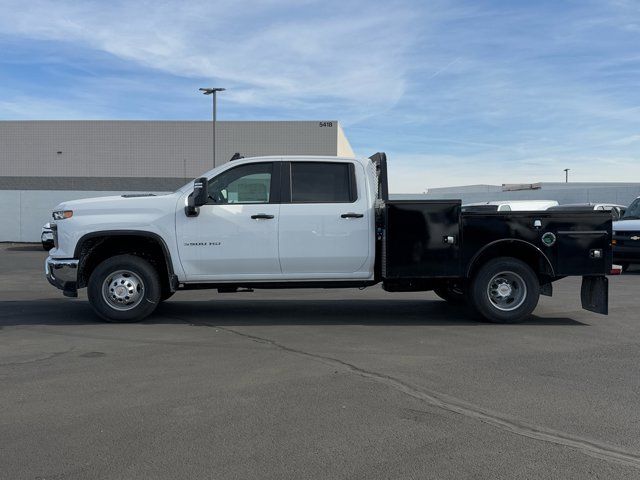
<point>456,92</point>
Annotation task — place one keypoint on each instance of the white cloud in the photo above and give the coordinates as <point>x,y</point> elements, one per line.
<point>271,52</point>
<point>24,107</point>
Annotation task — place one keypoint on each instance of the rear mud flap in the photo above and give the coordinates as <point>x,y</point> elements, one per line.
<point>595,294</point>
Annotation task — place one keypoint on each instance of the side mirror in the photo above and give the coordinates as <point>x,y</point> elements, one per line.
<point>198,197</point>
<point>200,191</point>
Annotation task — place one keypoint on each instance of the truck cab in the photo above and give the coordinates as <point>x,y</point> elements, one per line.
<point>304,221</point>
<point>267,219</point>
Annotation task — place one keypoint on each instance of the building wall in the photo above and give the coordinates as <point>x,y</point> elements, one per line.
<point>344,147</point>
<point>94,155</point>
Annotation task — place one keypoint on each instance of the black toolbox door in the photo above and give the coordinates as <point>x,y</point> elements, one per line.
<point>422,239</point>
<point>578,252</point>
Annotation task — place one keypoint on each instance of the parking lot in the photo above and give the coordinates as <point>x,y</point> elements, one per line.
<point>314,384</point>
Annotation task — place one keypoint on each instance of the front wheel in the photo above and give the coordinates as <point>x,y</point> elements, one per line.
<point>124,288</point>
<point>505,290</point>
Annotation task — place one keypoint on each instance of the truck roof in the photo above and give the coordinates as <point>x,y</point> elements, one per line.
<point>315,158</point>
<point>282,158</point>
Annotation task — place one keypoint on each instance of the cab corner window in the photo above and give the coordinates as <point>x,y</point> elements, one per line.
<point>322,182</point>
<point>244,184</point>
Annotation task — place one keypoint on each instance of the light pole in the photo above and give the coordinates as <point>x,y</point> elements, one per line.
<point>566,175</point>
<point>212,91</point>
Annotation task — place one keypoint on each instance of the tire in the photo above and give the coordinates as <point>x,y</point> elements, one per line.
<point>505,290</point>
<point>124,288</point>
<point>451,293</point>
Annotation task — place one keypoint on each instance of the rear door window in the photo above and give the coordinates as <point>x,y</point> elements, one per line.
<point>322,182</point>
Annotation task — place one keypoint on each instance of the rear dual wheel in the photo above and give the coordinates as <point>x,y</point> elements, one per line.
<point>504,290</point>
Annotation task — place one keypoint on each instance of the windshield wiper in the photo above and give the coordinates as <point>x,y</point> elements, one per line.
<point>630,217</point>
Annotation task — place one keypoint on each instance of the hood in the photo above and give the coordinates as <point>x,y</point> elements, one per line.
<point>626,225</point>
<point>118,203</point>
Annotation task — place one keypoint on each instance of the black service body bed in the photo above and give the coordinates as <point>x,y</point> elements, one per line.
<point>426,241</point>
<point>416,233</point>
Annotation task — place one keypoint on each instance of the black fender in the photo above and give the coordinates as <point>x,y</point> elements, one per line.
<point>522,245</point>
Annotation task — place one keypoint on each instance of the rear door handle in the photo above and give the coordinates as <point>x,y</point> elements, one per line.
<point>262,216</point>
<point>352,215</point>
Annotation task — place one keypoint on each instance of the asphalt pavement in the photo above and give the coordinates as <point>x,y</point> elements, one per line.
<point>305,384</point>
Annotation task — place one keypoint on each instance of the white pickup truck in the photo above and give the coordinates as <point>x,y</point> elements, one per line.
<point>293,222</point>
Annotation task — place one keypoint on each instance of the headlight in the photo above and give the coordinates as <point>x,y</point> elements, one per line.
<point>62,214</point>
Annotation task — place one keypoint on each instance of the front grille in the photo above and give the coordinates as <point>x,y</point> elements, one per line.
<point>627,238</point>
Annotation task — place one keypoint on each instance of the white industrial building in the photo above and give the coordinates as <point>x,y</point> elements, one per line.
<point>619,193</point>
<point>45,162</point>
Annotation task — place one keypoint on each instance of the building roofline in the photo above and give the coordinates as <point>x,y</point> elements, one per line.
<point>168,120</point>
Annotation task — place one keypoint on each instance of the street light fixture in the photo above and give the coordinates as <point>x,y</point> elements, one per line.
<point>566,175</point>
<point>213,91</point>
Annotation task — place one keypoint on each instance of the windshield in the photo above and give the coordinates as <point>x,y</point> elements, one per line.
<point>633,212</point>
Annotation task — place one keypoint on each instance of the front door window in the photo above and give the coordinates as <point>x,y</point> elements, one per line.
<point>242,185</point>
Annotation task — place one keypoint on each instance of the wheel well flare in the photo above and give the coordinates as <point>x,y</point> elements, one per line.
<point>520,249</point>
<point>94,249</point>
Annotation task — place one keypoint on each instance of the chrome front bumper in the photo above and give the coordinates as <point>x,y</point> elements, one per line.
<point>63,274</point>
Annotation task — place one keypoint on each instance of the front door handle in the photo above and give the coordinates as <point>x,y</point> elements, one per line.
<point>262,216</point>
<point>352,215</point>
